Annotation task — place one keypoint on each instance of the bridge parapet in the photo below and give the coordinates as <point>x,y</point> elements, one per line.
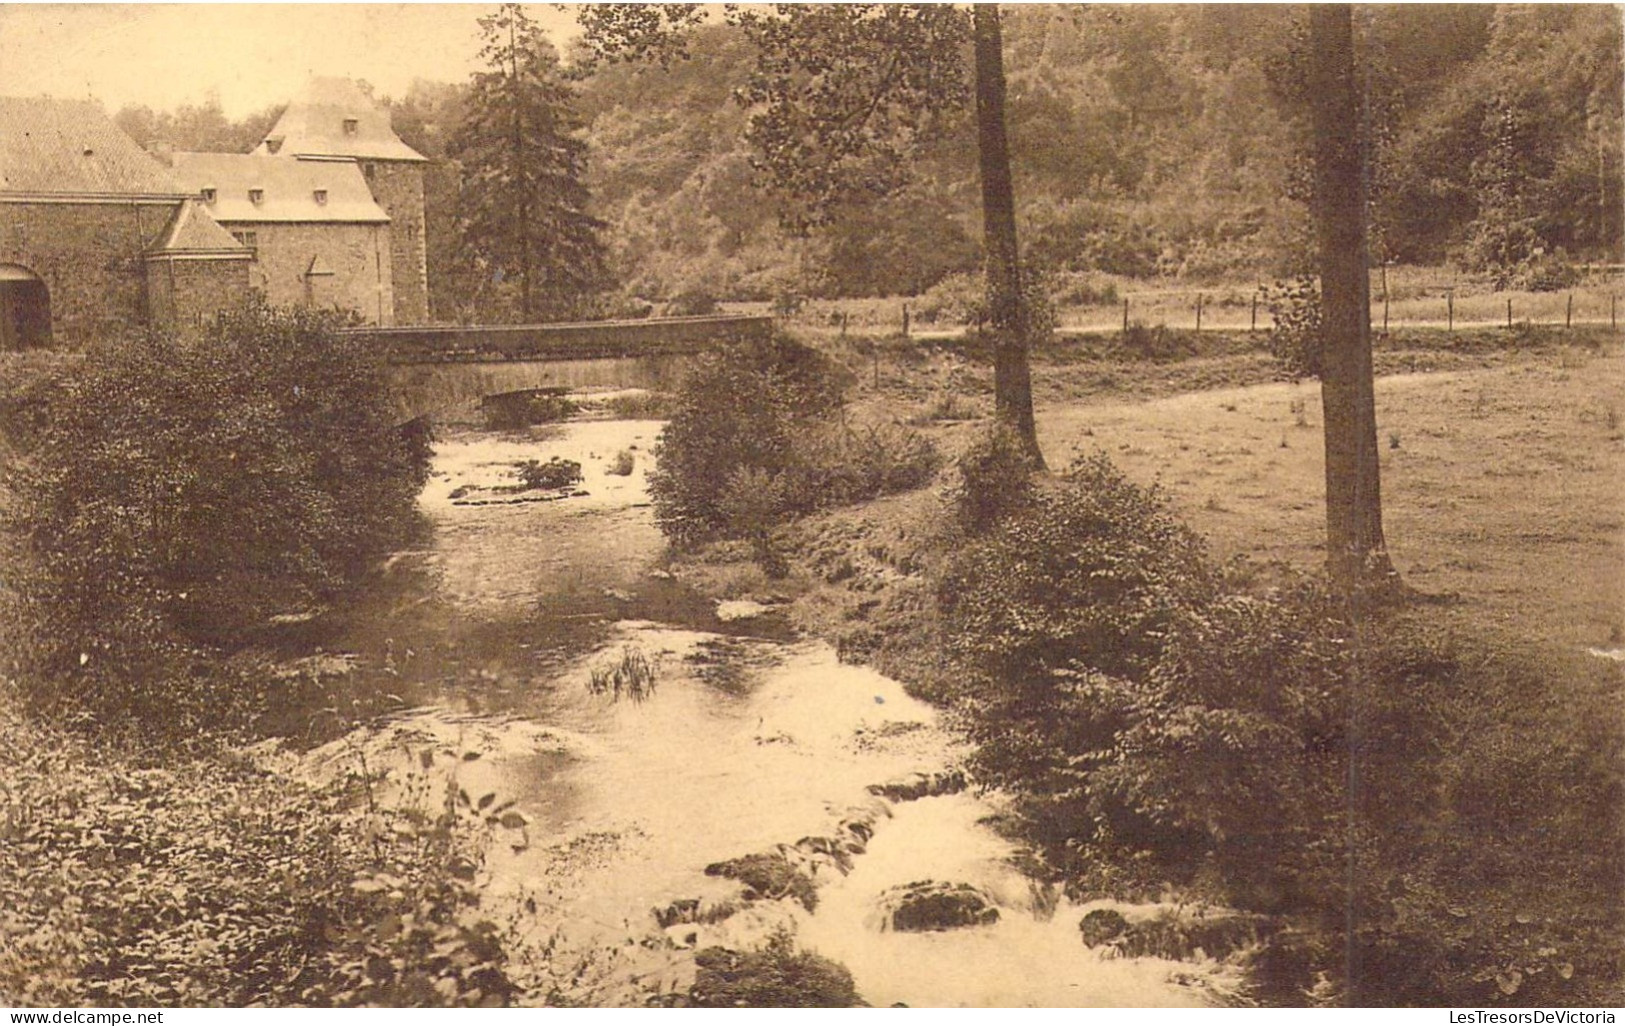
<point>585,340</point>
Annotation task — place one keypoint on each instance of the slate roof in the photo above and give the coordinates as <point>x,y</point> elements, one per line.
<point>314,125</point>
<point>193,233</point>
<point>287,185</point>
<point>72,148</point>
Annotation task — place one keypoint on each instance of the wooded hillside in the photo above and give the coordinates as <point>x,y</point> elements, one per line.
<point>1148,141</point>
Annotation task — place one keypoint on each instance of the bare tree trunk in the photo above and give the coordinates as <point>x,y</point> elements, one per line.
<point>1012,378</point>
<point>522,218</point>
<point>1355,550</point>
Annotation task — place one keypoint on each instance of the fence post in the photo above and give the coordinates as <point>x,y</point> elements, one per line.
<point>1509,311</point>
<point>1450,310</point>
<point>843,323</point>
<point>1198,312</point>
<point>1613,321</point>
<point>1125,315</point>
<point>905,320</point>
<point>1255,313</point>
<point>1385,297</point>
<point>1568,317</point>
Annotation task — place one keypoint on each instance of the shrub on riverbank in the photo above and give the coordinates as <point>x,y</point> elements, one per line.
<point>756,437</point>
<point>180,494</point>
<point>209,883</point>
<point>777,976</point>
<point>1461,793</point>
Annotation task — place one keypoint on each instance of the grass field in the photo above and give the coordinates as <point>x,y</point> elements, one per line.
<point>1504,486</point>
<point>1503,475</point>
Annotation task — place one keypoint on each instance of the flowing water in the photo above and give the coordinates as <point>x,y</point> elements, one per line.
<point>480,655</point>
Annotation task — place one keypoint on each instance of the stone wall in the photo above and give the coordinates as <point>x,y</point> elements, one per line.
<point>185,294</point>
<point>357,254</point>
<point>398,187</point>
<point>91,258</point>
<point>421,390</point>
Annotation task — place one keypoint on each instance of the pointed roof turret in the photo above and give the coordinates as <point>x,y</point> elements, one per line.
<point>332,117</point>
<point>193,234</point>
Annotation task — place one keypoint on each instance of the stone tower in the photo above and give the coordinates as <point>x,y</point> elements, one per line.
<point>332,119</point>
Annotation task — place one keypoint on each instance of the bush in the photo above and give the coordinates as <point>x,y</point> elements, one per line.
<point>1462,796</point>
<point>995,479</point>
<point>212,884</point>
<point>515,411</point>
<point>640,406</point>
<point>1237,735</point>
<point>736,409</point>
<point>754,440</point>
<point>1082,289</point>
<point>556,473</point>
<point>1159,344</point>
<point>693,302</point>
<point>1488,820</point>
<point>182,494</point>
<point>1296,339</point>
<point>959,298</point>
<point>839,464</point>
<point>1079,586</point>
<point>777,976</point>
<point>752,504</point>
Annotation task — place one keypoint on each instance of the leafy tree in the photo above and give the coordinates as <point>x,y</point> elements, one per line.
<point>1354,540</point>
<point>182,494</point>
<point>203,128</point>
<point>524,223</point>
<point>842,96</point>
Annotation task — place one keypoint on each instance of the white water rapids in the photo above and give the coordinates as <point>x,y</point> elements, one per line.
<point>745,744</point>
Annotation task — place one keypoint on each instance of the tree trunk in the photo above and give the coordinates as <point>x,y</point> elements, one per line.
<point>1007,309</point>
<point>522,218</point>
<point>1355,550</point>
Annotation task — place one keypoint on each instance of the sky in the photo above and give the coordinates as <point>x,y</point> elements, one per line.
<point>248,56</point>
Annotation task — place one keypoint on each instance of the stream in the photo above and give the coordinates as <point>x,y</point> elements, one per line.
<point>480,650</point>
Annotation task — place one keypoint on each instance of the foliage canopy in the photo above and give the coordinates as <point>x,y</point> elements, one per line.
<point>523,219</point>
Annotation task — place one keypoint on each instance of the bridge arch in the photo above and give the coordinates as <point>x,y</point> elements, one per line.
<point>25,309</point>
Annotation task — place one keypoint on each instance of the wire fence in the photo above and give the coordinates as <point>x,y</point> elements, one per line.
<point>1234,311</point>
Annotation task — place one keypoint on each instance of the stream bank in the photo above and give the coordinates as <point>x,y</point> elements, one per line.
<point>753,787</point>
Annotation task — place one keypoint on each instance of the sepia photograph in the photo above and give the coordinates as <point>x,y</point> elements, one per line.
<point>813,505</point>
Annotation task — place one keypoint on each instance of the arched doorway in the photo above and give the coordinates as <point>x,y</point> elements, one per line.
<point>25,309</point>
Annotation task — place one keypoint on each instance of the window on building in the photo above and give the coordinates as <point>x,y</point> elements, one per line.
<point>273,145</point>
<point>321,197</point>
<point>256,196</point>
<point>208,195</point>
<point>249,239</point>
<point>351,126</point>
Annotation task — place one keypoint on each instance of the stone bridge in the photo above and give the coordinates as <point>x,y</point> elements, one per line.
<point>437,368</point>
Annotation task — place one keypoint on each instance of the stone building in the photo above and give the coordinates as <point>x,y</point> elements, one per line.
<point>317,236</point>
<point>96,238</point>
<point>334,119</point>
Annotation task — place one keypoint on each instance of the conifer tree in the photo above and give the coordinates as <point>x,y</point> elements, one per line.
<point>523,222</point>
